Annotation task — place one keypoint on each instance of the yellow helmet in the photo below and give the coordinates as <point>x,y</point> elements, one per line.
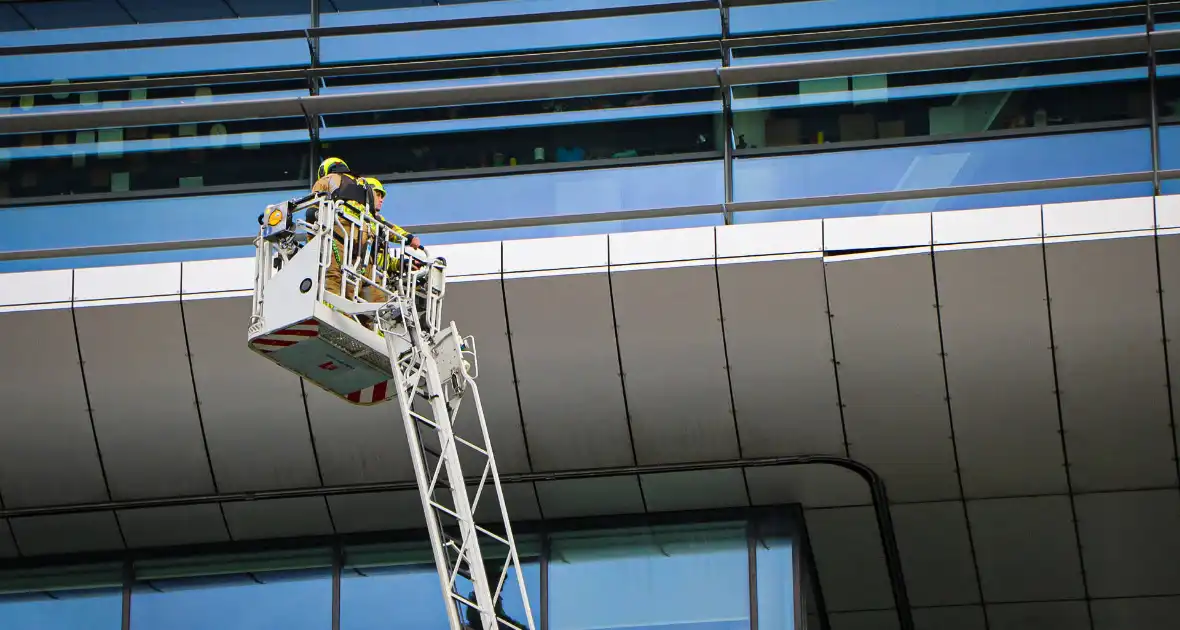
<point>372,182</point>
<point>331,165</point>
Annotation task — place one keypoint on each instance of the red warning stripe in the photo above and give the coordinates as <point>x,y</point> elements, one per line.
<point>288,336</point>
<point>370,395</point>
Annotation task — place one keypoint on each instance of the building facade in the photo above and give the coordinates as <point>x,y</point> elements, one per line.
<point>136,132</point>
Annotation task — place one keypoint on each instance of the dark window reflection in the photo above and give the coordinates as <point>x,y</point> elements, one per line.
<point>522,134</point>
<point>166,157</point>
<point>269,600</point>
<point>667,578</point>
<point>959,102</point>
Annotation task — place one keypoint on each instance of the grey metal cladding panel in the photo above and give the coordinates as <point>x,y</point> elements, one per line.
<point>812,485</point>
<point>568,498</point>
<point>571,395</point>
<point>780,358</point>
<point>864,620</point>
<point>173,525</point>
<point>358,444</point>
<point>936,553</point>
<point>477,308</point>
<point>1026,549</point>
<point>67,533</point>
<point>694,490</point>
<point>255,423</point>
<point>7,546</point>
<point>886,338</point>
<point>142,394</point>
<point>1039,616</point>
<point>995,328</point>
<point>849,558</point>
<point>520,499</point>
<point>376,511</point>
<point>278,518</point>
<point>1131,542</point>
<point>1169,265</point>
<point>47,451</point>
<point>1149,613</point>
<point>673,360</point>
<point>948,618</point>
<point>1110,363</point>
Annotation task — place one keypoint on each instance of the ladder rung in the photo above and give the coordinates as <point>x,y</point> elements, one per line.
<point>445,509</point>
<point>421,418</point>
<point>494,536</point>
<point>472,446</point>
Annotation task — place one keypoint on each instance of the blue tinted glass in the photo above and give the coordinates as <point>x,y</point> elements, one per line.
<point>167,60</point>
<point>254,602</point>
<point>514,37</point>
<point>685,577</point>
<point>97,611</point>
<point>377,598</point>
<point>965,202</point>
<point>800,16</point>
<point>45,35</point>
<point>1169,146</point>
<point>944,45</point>
<point>776,583</point>
<point>574,229</point>
<point>561,193</point>
<point>386,11</point>
<point>134,221</point>
<point>934,166</point>
<point>113,260</point>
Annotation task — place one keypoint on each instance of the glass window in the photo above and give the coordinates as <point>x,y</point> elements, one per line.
<point>960,202</point>
<point>1169,141</point>
<point>939,165</point>
<point>779,584</point>
<point>683,25</point>
<point>255,593</point>
<point>397,586</point>
<point>558,193</point>
<point>77,598</point>
<point>670,577</point>
<point>135,221</point>
<point>575,229</point>
<point>58,21</point>
<point>157,61</point>
<point>61,96</point>
<point>163,157</point>
<point>119,260</point>
<point>962,102</point>
<point>845,13</point>
<point>528,135</point>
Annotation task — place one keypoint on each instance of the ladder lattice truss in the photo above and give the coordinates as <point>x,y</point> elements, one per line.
<point>432,378</point>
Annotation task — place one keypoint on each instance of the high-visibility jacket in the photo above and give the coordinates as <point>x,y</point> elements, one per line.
<point>344,187</point>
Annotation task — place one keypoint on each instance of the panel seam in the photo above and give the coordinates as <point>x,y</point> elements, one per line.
<point>89,408</point>
<point>614,316</point>
<point>1073,508</point>
<point>1159,277</point>
<point>832,345</point>
<point>315,454</point>
<point>524,432</point>
<point>188,355</point>
<point>950,416</point>
<point>737,431</point>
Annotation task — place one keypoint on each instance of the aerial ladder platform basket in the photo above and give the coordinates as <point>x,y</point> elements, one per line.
<point>340,301</point>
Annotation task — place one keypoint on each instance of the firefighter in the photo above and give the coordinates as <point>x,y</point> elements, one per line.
<point>382,256</point>
<point>334,179</point>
